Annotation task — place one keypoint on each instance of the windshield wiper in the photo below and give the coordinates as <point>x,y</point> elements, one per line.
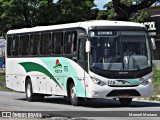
<point>135,62</point>
<point>111,62</point>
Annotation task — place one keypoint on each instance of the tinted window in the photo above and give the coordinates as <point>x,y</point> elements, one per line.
<point>24,45</point>
<point>53,42</point>
<point>34,44</point>
<point>15,44</point>
<point>70,42</point>
<point>9,46</point>
<point>45,44</point>
<point>58,45</point>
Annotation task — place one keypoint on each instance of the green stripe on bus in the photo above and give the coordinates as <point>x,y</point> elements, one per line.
<point>31,66</point>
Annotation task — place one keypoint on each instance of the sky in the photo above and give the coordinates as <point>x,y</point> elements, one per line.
<point>99,3</point>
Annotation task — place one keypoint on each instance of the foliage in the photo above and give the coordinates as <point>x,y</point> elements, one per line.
<point>3,83</point>
<point>16,14</point>
<point>156,80</point>
<point>108,14</point>
<point>127,11</point>
<point>26,13</point>
<point>29,13</point>
<point>156,84</point>
<point>156,75</point>
<point>140,16</point>
<point>76,10</point>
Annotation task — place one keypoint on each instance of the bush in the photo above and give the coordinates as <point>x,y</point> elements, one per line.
<point>156,81</point>
<point>3,83</point>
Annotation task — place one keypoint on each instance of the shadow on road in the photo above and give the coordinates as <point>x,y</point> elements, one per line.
<point>99,103</point>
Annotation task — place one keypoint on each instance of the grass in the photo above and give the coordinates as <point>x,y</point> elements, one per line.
<point>156,84</point>
<point>156,81</point>
<point>3,82</point>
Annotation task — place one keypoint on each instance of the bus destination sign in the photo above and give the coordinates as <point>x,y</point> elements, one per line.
<point>108,33</point>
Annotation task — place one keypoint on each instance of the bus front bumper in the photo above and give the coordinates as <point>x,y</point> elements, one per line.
<point>122,92</point>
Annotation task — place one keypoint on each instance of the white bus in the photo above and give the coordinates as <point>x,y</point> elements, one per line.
<point>84,60</point>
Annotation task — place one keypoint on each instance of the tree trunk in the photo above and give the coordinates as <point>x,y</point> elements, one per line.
<point>124,11</point>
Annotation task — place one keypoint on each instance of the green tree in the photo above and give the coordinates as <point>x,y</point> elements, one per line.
<point>16,14</point>
<point>47,13</point>
<point>26,13</point>
<point>125,10</point>
<point>76,10</point>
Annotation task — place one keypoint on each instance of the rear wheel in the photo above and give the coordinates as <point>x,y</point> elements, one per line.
<point>125,101</point>
<point>73,98</point>
<point>30,96</point>
<point>29,93</point>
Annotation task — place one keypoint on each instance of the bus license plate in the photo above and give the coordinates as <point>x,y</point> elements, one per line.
<point>123,96</point>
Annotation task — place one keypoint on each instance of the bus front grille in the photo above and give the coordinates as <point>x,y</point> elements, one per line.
<point>130,92</point>
<point>123,85</point>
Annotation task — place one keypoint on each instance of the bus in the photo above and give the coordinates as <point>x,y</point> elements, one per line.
<point>80,61</point>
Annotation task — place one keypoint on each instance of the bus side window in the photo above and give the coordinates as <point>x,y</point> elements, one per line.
<point>74,42</point>
<point>9,46</point>
<point>70,42</point>
<point>15,45</point>
<point>34,44</point>
<point>49,45</point>
<point>53,43</point>
<point>45,44</point>
<point>59,43</point>
<point>24,45</point>
<point>67,43</point>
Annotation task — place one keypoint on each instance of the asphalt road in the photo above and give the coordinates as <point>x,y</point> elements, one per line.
<point>91,109</point>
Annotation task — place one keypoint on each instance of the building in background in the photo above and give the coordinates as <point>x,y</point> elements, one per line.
<point>154,30</point>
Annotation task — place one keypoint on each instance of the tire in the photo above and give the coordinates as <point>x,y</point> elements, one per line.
<point>125,101</point>
<point>75,101</point>
<point>30,96</point>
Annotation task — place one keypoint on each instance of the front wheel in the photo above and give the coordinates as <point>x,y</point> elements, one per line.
<point>125,101</point>
<point>73,98</point>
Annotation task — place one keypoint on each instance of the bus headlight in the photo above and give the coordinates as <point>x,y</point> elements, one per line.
<point>98,82</point>
<point>149,80</point>
<point>145,82</point>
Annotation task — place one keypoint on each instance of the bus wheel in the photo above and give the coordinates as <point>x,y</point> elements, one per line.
<point>29,93</point>
<point>125,101</point>
<point>74,100</point>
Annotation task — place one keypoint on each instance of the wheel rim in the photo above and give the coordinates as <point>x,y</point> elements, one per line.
<point>73,92</point>
<point>28,90</point>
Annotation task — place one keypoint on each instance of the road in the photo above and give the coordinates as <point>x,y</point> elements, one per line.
<point>58,106</point>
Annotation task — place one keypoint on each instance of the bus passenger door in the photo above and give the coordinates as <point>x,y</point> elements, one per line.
<point>82,62</point>
<point>81,52</point>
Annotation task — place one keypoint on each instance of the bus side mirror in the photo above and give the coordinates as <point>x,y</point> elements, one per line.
<point>153,44</point>
<point>88,46</point>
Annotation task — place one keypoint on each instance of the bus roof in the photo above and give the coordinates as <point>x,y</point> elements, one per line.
<point>84,25</point>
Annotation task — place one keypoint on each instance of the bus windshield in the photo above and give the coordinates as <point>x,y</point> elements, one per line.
<point>119,50</point>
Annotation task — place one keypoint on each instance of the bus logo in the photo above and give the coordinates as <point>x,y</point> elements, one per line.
<point>58,64</point>
<point>58,67</point>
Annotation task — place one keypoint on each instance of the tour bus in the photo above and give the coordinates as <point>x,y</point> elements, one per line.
<point>80,61</point>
